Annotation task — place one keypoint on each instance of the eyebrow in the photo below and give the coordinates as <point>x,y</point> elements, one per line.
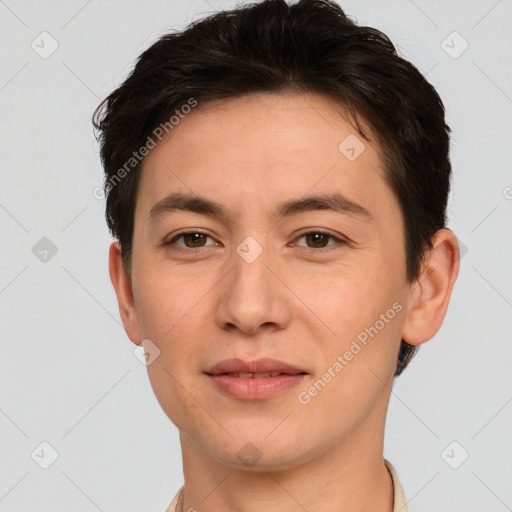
<point>336,202</point>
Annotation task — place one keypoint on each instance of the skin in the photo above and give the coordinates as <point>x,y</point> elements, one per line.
<point>202,305</point>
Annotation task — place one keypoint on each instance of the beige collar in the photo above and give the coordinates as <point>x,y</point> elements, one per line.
<point>399,503</point>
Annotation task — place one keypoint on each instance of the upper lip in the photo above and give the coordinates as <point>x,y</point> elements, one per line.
<point>259,366</point>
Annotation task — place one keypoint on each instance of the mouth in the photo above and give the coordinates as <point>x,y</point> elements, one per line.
<point>256,380</point>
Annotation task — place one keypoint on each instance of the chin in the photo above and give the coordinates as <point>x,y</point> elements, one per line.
<point>262,452</point>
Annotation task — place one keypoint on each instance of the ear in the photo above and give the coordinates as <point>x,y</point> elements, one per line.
<point>431,292</point>
<point>123,288</point>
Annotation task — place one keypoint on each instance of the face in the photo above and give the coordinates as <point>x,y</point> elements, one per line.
<point>321,289</point>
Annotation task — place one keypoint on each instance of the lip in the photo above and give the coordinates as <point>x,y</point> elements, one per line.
<point>258,388</point>
<point>259,366</point>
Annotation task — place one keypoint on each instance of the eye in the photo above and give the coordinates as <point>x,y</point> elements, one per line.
<point>192,239</point>
<point>319,239</point>
<point>315,240</point>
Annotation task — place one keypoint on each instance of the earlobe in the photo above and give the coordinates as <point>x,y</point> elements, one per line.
<point>123,289</point>
<point>430,294</point>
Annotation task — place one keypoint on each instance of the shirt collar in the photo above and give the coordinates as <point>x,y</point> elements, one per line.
<point>400,504</point>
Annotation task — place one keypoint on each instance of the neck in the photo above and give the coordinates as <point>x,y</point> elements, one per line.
<point>350,476</point>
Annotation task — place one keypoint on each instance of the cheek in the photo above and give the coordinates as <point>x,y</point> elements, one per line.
<point>359,360</point>
<point>347,299</point>
<point>174,311</point>
<point>360,314</point>
<point>164,299</point>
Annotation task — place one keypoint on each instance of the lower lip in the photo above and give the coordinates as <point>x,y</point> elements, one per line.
<point>255,389</point>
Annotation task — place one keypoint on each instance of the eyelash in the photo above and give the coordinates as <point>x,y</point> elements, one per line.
<point>340,241</point>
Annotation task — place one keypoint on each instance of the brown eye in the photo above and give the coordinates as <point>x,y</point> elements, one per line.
<point>191,239</point>
<point>319,239</point>
<point>195,239</point>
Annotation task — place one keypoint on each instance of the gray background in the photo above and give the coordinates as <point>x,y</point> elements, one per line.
<point>68,373</point>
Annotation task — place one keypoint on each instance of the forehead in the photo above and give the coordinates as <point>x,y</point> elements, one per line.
<point>253,150</point>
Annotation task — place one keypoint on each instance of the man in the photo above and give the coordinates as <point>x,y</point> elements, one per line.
<point>276,181</point>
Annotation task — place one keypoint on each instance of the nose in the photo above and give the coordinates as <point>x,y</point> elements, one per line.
<point>253,296</point>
